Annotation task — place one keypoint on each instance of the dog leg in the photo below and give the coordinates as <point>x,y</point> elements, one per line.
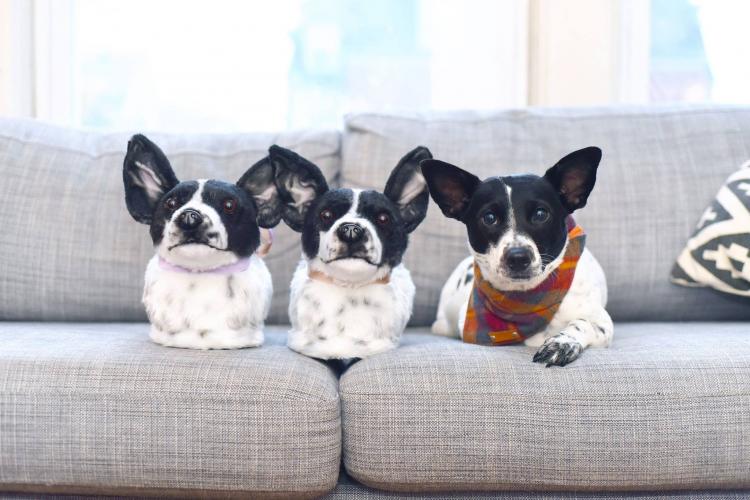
<point>462,319</point>
<point>568,345</point>
<point>441,325</point>
<point>453,300</point>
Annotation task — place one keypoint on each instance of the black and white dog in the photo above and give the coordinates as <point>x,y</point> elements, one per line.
<point>518,236</point>
<point>205,287</point>
<point>351,296</point>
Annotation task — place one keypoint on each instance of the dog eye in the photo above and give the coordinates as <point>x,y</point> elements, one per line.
<point>489,218</point>
<point>326,215</point>
<point>229,205</point>
<point>383,219</point>
<point>171,203</point>
<point>539,215</point>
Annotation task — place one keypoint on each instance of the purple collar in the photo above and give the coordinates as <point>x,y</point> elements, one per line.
<point>237,267</point>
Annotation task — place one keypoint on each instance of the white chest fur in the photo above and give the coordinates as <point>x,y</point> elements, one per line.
<point>207,311</point>
<point>335,322</point>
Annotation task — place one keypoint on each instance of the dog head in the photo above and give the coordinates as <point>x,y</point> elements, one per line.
<point>352,235</point>
<point>198,224</point>
<point>516,224</point>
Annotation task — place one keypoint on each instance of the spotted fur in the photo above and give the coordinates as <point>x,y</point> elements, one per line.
<point>198,227</point>
<point>334,321</point>
<point>207,311</point>
<point>513,227</point>
<point>362,305</point>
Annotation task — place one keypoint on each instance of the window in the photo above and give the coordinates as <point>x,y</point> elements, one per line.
<point>679,69</point>
<point>237,65</point>
<point>234,65</point>
<point>699,50</point>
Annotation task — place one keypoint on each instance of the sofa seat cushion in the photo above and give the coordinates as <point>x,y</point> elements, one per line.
<point>666,407</point>
<point>348,489</point>
<point>98,408</point>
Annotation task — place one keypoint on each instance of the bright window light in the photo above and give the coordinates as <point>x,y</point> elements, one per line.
<point>699,50</point>
<point>231,65</point>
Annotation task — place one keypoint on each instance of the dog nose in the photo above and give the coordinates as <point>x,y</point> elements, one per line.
<point>189,219</point>
<point>350,232</point>
<point>518,258</point>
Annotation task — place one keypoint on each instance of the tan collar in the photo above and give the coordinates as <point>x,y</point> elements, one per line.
<point>266,240</point>
<point>321,276</point>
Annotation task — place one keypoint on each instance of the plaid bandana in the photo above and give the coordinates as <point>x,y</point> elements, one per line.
<point>495,317</point>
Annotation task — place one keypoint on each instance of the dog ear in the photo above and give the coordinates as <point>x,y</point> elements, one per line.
<point>574,176</point>
<point>147,176</point>
<point>260,183</point>
<point>450,187</point>
<point>407,187</point>
<point>299,183</point>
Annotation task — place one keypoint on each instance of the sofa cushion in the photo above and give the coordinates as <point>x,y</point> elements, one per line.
<point>661,167</point>
<point>70,250</point>
<point>718,252</point>
<point>98,408</point>
<point>666,407</point>
<point>348,489</point>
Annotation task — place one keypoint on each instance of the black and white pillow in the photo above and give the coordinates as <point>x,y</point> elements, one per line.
<point>717,255</point>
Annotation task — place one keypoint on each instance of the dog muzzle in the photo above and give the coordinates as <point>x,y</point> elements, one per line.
<point>496,317</point>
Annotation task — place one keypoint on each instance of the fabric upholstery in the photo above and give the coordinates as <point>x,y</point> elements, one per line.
<point>660,168</point>
<point>98,407</point>
<point>70,250</point>
<point>666,407</point>
<point>348,489</point>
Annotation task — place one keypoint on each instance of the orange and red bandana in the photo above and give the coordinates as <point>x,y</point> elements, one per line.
<point>495,317</point>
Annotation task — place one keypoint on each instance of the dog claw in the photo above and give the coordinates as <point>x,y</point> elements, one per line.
<point>558,351</point>
<point>541,354</point>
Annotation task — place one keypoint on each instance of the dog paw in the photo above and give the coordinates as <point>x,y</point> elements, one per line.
<point>558,351</point>
<point>441,326</point>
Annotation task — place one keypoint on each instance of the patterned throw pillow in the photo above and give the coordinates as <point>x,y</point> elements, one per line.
<point>717,255</point>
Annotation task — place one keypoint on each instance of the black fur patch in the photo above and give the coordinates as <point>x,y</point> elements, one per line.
<point>564,188</point>
<point>240,225</point>
<point>144,160</point>
<point>392,235</point>
<point>182,193</point>
<point>243,235</point>
<point>338,201</point>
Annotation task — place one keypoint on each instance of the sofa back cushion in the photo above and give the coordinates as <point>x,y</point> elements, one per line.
<point>660,168</point>
<point>71,251</point>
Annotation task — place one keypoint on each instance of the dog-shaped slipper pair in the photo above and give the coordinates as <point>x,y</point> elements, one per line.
<point>207,289</point>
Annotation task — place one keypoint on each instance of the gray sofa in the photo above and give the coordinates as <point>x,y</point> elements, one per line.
<point>89,406</point>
